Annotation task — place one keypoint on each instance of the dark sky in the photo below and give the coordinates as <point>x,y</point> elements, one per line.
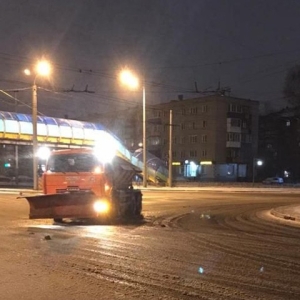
<point>247,45</point>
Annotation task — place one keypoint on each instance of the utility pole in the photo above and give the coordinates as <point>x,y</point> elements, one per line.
<point>34,137</point>
<point>170,148</point>
<point>253,170</point>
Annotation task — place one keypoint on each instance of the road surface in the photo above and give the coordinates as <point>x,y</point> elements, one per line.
<point>190,245</point>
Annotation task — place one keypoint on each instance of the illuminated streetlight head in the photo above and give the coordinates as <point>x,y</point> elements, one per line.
<point>43,68</point>
<point>259,162</point>
<point>129,79</point>
<point>27,72</point>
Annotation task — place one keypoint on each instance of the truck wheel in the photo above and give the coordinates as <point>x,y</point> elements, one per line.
<point>57,220</point>
<point>129,211</point>
<point>138,206</point>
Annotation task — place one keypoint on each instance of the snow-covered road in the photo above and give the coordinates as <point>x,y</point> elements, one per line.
<point>199,245</point>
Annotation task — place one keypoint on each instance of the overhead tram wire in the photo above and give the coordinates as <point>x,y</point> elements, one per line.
<point>163,85</point>
<point>181,90</point>
<point>18,100</point>
<point>174,89</point>
<point>109,99</point>
<point>93,95</point>
<point>60,92</point>
<point>281,70</point>
<point>19,58</point>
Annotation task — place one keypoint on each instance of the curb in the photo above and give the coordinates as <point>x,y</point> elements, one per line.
<point>21,191</point>
<point>221,189</point>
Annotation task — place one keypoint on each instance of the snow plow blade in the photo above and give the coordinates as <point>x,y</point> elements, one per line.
<point>58,206</point>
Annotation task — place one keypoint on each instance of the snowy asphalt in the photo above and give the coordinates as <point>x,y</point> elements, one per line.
<point>291,212</point>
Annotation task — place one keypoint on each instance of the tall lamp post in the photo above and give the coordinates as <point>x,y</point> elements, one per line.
<point>256,162</point>
<point>131,81</point>
<point>42,68</point>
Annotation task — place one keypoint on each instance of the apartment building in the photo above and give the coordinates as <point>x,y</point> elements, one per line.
<point>213,137</point>
<point>279,144</point>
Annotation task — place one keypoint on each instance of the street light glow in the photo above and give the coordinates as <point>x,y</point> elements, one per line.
<point>27,72</point>
<point>129,79</point>
<point>256,163</point>
<point>43,68</point>
<point>259,162</point>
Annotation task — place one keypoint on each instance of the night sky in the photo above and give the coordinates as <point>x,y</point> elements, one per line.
<point>247,45</point>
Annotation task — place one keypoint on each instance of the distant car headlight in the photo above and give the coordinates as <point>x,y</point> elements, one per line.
<point>101,206</point>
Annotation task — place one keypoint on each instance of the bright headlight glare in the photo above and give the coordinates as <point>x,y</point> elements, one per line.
<point>98,170</point>
<point>101,206</point>
<point>105,147</point>
<point>106,187</point>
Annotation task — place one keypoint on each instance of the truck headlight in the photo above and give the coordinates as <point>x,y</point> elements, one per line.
<point>101,206</point>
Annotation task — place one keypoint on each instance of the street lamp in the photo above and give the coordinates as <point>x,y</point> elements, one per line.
<point>42,68</point>
<point>256,162</point>
<point>130,80</point>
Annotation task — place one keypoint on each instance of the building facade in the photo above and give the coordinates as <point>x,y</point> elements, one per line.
<point>213,137</point>
<point>279,144</point>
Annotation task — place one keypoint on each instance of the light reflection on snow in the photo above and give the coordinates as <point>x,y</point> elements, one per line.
<point>94,231</point>
<point>98,231</point>
<point>204,216</point>
<point>48,226</point>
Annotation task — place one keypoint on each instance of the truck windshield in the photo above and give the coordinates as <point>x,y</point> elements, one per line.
<point>78,162</point>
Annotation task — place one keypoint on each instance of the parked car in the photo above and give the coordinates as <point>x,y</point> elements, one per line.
<point>23,180</point>
<point>5,180</point>
<point>273,180</point>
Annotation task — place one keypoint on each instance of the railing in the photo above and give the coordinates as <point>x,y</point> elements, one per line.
<point>156,170</point>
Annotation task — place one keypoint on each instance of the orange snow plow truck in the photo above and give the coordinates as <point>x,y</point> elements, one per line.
<point>77,185</point>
